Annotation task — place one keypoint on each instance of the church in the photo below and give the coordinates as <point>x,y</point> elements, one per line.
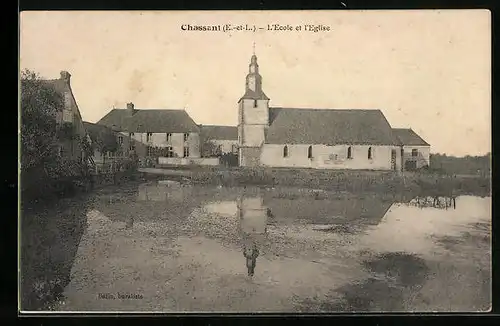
<point>321,138</point>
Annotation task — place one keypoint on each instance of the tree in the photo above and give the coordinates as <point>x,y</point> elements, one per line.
<point>103,140</point>
<point>40,104</point>
<point>209,148</point>
<point>41,135</point>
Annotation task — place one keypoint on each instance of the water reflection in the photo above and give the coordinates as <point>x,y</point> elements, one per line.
<point>130,223</point>
<point>435,202</point>
<point>272,251</point>
<point>252,216</point>
<point>50,237</point>
<point>163,191</point>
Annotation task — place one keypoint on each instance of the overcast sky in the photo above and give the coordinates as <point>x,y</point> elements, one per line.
<point>428,70</point>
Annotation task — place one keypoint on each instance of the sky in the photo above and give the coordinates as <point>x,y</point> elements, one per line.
<point>425,69</point>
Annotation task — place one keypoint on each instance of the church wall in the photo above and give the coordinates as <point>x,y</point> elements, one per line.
<point>329,157</point>
<point>255,115</point>
<point>253,135</point>
<point>249,156</point>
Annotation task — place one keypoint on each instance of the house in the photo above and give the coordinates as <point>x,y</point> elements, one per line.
<point>415,151</point>
<point>155,133</point>
<point>104,142</point>
<point>312,138</point>
<point>71,131</point>
<point>224,139</point>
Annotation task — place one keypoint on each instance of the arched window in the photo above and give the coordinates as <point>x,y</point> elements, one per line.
<point>349,152</point>
<point>285,151</point>
<point>369,153</point>
<point>310,152</point>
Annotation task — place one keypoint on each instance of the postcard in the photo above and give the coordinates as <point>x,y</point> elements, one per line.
<point>255,161</point>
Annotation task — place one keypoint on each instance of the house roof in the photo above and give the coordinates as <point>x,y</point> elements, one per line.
<point>409,137</point>
<point>219,132</point>
<point>150,120</point>
<point>329,127</point>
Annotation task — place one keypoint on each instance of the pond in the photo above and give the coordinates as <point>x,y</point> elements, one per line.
<point>168,247</point>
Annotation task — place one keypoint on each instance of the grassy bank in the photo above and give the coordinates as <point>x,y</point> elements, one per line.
<point>421,183</point>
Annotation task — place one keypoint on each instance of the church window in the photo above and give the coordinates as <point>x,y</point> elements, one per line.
<point>169,136</point>
<point>186,136</point>
<point>186,151</point>
<point>149,135</point>
<point>285,151</point>
<point>349,152</point>
<point>370,153</point>
<point>120,140</point>
<point>310,152</point>
<point>254,103</point>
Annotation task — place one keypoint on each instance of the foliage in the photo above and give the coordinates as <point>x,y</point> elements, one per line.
<point>103,139</point>
<point>39,106</point>
<point>468,165</point>
<point>66,131</point>
<point>41,136</point>
<point>209,148</point>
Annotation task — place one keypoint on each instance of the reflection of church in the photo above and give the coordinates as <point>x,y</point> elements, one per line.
<point>252,215</point>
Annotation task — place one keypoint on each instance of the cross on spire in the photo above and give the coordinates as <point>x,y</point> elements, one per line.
<point>254,47</point>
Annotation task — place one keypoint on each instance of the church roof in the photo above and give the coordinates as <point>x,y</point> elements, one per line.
<point>219,132</point>
<point>150,120</point>
<point>409,137</point>
<point>249,94</point>
<point>329,127</point>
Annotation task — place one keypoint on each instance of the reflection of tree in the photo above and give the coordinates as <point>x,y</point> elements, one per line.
<point>50,240</point>
<point>435,202</point>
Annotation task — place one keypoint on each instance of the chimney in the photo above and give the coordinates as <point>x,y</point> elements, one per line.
<point>130,109</point>
<point>65,76</point>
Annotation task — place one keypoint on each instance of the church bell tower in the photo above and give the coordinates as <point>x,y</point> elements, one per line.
<point>253,117</point>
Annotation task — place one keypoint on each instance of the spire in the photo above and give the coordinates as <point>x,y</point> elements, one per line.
<point>253,86</point>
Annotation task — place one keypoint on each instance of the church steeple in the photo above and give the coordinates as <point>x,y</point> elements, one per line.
<point>253,85</point>
<point>253,117</point>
